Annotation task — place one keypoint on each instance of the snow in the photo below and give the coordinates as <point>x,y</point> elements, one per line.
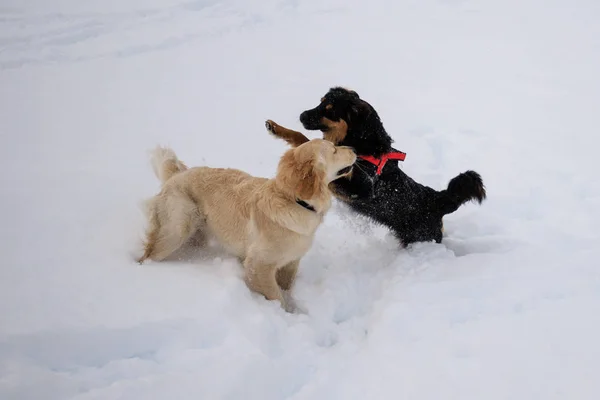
<point>506,308</point>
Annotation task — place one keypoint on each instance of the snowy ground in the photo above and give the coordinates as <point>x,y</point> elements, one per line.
<point>508,307</point>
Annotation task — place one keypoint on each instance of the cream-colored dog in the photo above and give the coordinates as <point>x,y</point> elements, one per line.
<point>268,223</point>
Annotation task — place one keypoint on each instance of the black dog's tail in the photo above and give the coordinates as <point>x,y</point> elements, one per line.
<point>461,189</point>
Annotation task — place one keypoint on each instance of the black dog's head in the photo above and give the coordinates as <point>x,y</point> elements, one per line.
<point>346,119</point>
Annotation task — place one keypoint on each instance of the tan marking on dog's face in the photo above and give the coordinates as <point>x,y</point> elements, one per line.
<point>329,106</point>
<point>336,131</point>
<point>322,99</point>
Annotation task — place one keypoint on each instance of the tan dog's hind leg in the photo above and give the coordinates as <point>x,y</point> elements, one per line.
<point>293,138</point>
<point>261,279</point>
<point>287,274</point>
<point>151,235</point>
<point>172,222</point>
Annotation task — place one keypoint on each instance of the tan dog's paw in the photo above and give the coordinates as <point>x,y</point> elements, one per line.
<point>271,127</point>
<point>290,305</point>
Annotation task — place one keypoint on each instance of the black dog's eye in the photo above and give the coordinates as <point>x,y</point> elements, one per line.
<point>330,111</point>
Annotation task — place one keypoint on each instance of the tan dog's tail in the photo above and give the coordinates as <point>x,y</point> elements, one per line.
<point>165,163</point>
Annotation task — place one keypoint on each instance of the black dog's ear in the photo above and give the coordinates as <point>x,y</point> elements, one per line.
<point>343,91</point>
<point>359,110</point>
<point>353,93</point>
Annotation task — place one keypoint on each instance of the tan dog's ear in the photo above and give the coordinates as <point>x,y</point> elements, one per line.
<point>310,179</point>
<point>359,110</point>
<point>300,174</point>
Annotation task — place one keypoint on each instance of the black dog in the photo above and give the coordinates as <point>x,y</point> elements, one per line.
<point>377,188</point>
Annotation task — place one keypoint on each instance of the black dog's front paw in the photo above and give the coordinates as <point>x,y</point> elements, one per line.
<point>339,190</point>
<point>271,127</point>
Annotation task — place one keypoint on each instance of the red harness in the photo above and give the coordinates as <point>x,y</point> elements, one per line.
<point>380,162</point>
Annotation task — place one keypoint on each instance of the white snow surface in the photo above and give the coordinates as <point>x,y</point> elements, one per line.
<point>507,307</point>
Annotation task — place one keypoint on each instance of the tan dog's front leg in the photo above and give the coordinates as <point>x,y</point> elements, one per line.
<point>293,138</point>
<point>261,279</point>
<point>287,274</point>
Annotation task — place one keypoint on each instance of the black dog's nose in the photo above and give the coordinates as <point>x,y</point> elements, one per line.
<point>304,117</point>
<point>310,119</point>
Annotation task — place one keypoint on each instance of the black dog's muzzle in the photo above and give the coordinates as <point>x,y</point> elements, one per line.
<point>311,120</point>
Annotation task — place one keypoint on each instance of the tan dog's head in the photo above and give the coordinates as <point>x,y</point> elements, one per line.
<point>306,170</point>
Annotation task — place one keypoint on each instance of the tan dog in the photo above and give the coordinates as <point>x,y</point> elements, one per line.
<point>268,223</point>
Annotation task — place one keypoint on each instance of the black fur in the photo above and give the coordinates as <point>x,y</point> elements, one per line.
<point>412,211</point>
